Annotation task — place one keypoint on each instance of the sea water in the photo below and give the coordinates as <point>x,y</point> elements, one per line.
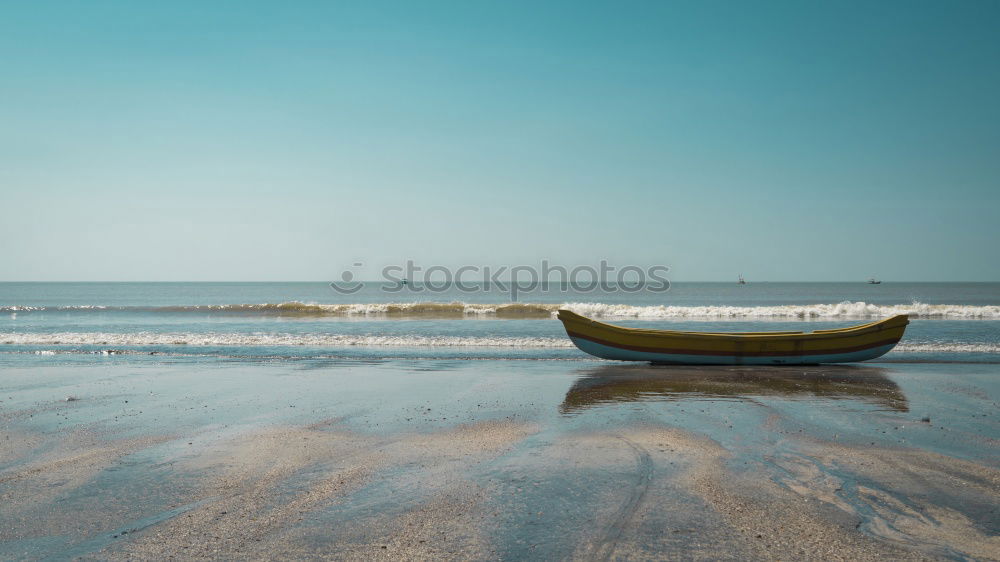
<point>950,322</point>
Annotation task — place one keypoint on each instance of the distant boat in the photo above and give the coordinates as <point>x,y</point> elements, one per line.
<point>873,281</point>
<point>841,345</point>
<point>742,281</point>
<point>405,282</point>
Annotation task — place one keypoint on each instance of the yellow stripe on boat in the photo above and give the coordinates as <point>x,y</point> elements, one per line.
<point>856,343</point>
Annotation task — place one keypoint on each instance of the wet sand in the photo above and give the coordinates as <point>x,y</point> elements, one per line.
<point>498,460</point>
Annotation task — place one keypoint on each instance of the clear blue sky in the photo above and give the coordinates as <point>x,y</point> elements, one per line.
<point>287,140</point>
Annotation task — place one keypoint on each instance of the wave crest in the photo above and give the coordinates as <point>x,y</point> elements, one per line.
<point>843,310</point>
<point>835,311</point>
<point>277,339</point>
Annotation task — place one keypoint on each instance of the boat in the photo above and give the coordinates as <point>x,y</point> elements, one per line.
<point>873,281</point>
<point>842,345</point>
<point>742,281</point>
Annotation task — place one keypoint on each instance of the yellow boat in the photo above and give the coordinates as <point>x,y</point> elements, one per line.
<point>843,345</point>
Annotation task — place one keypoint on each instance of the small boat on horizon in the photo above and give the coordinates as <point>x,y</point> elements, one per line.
<point>742,281</point>
<point>873,281</point>
<point>842,345</point>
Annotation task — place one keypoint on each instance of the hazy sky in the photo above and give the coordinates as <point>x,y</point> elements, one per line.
<point>287,140</point>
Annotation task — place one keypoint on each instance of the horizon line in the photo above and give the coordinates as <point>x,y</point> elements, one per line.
<point>326,282</point>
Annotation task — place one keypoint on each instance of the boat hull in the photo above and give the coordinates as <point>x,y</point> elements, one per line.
<point>609,352</point>
<point>847,345</point>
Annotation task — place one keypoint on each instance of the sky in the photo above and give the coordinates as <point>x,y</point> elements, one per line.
<point>258,141</point>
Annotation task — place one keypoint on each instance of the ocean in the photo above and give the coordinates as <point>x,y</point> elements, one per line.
<point>74,322</point>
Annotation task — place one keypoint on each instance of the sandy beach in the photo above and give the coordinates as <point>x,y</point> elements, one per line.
<point>498,460</point>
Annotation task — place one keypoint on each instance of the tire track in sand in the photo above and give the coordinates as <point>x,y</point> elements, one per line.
<point>644,475</point>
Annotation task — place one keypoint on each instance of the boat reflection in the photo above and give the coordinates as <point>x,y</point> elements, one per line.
<point>631,383</point>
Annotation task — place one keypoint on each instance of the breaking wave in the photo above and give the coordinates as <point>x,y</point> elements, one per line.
<point>944,347</point>
<point>140,339</point>
<point>277,339</point>
<point>843,310</point>
<point>458,309</point>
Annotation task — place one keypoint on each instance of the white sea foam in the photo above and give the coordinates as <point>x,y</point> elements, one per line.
<point>947,347</point>
<point>367,340</point>
<point>844,310</point>
<point>834,311</point>
<point>457,309</point>
<point>276,339</point>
